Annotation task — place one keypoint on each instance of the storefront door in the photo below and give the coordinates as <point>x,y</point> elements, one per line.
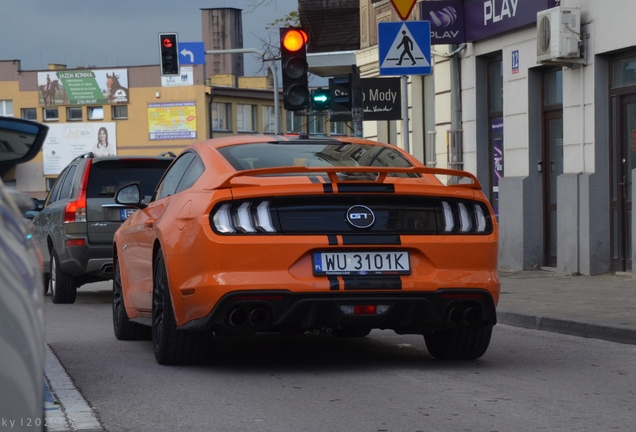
<point>551,163</point>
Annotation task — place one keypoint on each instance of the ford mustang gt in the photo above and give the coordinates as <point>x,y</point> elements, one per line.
<point>289,234</point>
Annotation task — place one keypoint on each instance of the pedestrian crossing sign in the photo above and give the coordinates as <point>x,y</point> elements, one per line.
<point>405,48</point>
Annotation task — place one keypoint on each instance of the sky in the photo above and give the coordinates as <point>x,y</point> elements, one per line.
<point>106,33</point>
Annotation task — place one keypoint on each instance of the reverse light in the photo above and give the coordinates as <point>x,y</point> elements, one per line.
<point>364,309</point>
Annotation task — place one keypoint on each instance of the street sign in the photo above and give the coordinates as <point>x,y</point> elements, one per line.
<point>403,7</point>
<point>381,98</point>
<point>405,48</point>
<point>191,53</point>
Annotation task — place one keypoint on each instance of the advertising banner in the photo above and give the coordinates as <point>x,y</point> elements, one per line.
<point>485,18</point>
<point>381,98</point>
<point>185,79</point>
<point>66,141</point>
<point>83,87</point>
<point>447,20</point>
<point>172,120</point>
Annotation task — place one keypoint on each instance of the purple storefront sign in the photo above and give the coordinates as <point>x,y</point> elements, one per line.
<point>496,134</point>
<point>484,18</point>
<point>447,20</point>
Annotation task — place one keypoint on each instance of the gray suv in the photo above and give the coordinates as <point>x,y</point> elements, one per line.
<point>75,227</point>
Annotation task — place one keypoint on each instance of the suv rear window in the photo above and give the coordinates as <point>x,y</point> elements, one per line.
<point>108,176</point>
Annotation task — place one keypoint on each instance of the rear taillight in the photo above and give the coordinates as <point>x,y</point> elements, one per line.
<point>76,210</point>
<point>248,217</point>
<point>465,217</point>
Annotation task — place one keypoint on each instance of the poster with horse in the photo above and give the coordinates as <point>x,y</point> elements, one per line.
<point>83,87</point>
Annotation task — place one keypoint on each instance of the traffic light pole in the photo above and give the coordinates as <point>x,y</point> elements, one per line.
<point>272,68</point>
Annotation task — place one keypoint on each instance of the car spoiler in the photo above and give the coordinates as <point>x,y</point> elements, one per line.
<point>333,171</point>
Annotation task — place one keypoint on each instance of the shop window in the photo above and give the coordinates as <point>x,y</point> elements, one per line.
<point>120,112</point>
<point>220,116</point>
<point>96,113</point>
<point>624,72</point>
<point>29,113</point>
<point>74,114</point>
<point>245,118</point>
<point>6,108</point>
<point>50,114</point>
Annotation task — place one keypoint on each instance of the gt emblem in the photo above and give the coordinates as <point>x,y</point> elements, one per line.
<point>360,216</point>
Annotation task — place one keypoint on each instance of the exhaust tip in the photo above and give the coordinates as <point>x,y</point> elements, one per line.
<point>473,315</point>
<point>238,317</point>
<point>455,315</point>
<point>259,317</point>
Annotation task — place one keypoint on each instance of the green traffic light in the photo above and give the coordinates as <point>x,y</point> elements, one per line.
<point>320,99</point>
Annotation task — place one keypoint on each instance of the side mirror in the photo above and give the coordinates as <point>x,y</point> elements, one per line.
<point>130,194</point>
<point>20,141</point>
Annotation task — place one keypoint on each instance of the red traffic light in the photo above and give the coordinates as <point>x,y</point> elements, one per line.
<point>167,42</point>
<point>294,40</point>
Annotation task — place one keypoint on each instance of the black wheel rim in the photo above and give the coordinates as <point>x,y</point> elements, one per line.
<point>157,302</point>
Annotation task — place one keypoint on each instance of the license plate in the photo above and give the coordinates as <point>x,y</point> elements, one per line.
<point>125,213</point>
<point>361,263</point>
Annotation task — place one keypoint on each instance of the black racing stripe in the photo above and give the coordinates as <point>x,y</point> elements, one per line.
<point>327,187</point>
<point>334,285</point>
<point>373,283</point>
<point>314,179</point>
<point>366,239</point>
<point>333,240</point>
<point>366,188</point>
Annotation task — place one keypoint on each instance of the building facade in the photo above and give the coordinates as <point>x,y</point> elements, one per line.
<point>549,130</point>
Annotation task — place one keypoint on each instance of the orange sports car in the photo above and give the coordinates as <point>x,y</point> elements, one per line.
<point>289,234</point>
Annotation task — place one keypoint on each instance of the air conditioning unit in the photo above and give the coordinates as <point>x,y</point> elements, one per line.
<point>559,35</point>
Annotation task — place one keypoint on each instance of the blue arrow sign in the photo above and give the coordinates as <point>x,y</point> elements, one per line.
<point>405,48</point>
<point>191,53</point>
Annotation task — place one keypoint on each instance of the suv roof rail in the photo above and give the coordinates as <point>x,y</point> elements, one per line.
<point>85,156</point>
<point>168,153</point>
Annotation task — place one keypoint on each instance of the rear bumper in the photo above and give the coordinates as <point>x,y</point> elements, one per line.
<point>88,260</point>
<point>406,313</point>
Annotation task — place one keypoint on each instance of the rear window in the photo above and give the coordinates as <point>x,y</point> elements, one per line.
<point>271,155</point>
<point>108,176</point>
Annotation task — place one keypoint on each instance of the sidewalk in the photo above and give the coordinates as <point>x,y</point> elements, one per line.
<point>600,307</point>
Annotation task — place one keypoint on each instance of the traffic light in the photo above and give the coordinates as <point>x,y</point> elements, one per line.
<point>293,52</point>
<point>320,99</point>
<point>169,52</point>
<point>341,91</point>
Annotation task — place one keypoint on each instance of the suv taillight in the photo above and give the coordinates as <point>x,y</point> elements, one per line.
<point>76,210</point>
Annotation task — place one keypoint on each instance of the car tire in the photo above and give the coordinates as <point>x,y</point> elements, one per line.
<point>46,279</point>
<point>63,286</point>
<point>123,328</point>
<point>173,346</point>
<point>352,331</point>
<point>462,343</point>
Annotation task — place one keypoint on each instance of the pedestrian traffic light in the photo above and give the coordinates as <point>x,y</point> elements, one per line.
<point>169,54</point>
<point>293,53</point>
<point>320,99</point>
